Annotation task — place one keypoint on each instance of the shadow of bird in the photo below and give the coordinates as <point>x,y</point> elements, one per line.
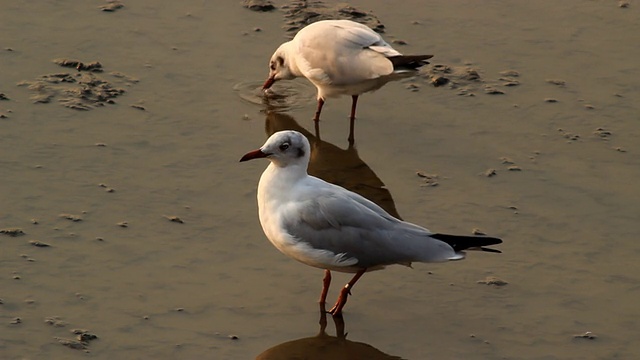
<point>342,167</point>
<point>324,346</point>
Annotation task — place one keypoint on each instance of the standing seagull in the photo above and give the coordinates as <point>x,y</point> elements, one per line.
<point>340,57</point>
<point>328,227</point>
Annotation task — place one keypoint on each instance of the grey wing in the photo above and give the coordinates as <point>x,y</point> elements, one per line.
<point>352,227</point>
<point>344,54</point>
<point>363,37</point>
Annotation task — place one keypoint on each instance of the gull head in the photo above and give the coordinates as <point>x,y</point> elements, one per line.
<point>279,68</point>
<point>284,148</point>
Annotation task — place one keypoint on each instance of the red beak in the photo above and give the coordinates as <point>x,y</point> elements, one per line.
<point>268,83</point>
<point>255,154</point>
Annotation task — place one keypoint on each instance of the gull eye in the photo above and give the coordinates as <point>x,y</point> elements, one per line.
<point>272,66</point>
<point>284,146</point>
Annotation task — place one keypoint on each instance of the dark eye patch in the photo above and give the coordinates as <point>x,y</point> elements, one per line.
<point>280,60</point>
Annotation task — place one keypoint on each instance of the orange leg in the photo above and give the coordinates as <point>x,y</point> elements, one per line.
<point>344,293</point>
<point>326,281</point>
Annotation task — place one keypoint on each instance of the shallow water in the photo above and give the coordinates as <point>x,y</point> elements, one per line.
<point>164,289</point>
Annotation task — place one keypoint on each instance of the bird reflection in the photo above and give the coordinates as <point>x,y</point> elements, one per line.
<point>324,346</point>
<point>337,166</point>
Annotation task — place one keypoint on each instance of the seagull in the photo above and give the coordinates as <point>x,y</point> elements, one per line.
<point>340,57</point>
<point>328,227</point>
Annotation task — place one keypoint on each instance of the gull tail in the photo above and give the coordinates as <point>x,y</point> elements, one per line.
<point>409,62</point>
<point>463,242</point>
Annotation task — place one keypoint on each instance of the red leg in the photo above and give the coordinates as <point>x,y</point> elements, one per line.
<point>317,127</point>
<point>344,293</point>
<point>323,320</point>
<point>352,118</point>
<point>318,110</point>
<point>354,102</point>
<point>351,137</point>
<point>326,281</point>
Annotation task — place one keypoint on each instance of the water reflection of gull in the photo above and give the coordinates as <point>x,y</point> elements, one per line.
<point>325,346</point>
<point>332,164</point>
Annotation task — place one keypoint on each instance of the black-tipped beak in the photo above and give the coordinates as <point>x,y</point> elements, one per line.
<point>255,154</point>
<point>268,83</point>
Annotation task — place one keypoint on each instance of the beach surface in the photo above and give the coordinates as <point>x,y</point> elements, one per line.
<point>130,231</point>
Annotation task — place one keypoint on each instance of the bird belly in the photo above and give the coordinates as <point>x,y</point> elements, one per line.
<point>323,259</point>
<point>333,90</point>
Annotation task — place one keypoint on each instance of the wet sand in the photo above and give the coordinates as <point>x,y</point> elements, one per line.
<point>101,185</point>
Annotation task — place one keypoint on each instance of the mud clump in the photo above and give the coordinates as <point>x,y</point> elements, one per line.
<point>259,5</point>
<point>586,335</point>
<point>81,342</point>
<point>429,179</point>
<point>173,218</point>
<point>72,217</point>
<point>12,232</point>
<point>467,79</point>
<point>492,280</point>
<point>111,6</point>
<point>299,14</point>
<point>38,243</point>
<point>72,344</point>
<point>84,90</point>
<point>55,321</point>
<point>78,65</point>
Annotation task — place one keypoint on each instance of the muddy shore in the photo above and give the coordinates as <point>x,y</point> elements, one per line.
<point>128,229</point>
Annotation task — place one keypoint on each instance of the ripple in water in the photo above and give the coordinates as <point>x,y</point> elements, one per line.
<point>281,96</point>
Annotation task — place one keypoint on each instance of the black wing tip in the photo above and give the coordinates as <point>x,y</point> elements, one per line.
<point>471,242</point>
<point>409,61</point>
<point>490,250</point>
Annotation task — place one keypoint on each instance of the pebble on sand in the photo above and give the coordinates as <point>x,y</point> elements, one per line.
<point>510,73</point>
<point>84,335</point>
<point>74,218</point>
<point>55,321</point>
<point>173,218</point>
<point>586,335</point>
<point>492,280</point>
<point>439,81</point>
<point>429,179</point>
<point>557,82</point>
<point>602,133</point>
<point>71,343</point>
<point>492,90</point>
<point>477,231</point>
<point>506,160</point>
<point>112,6</point>
<point>38,243</point>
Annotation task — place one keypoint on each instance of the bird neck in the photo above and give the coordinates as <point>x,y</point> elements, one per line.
<point>282,178</point>
<point>288,49</point>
